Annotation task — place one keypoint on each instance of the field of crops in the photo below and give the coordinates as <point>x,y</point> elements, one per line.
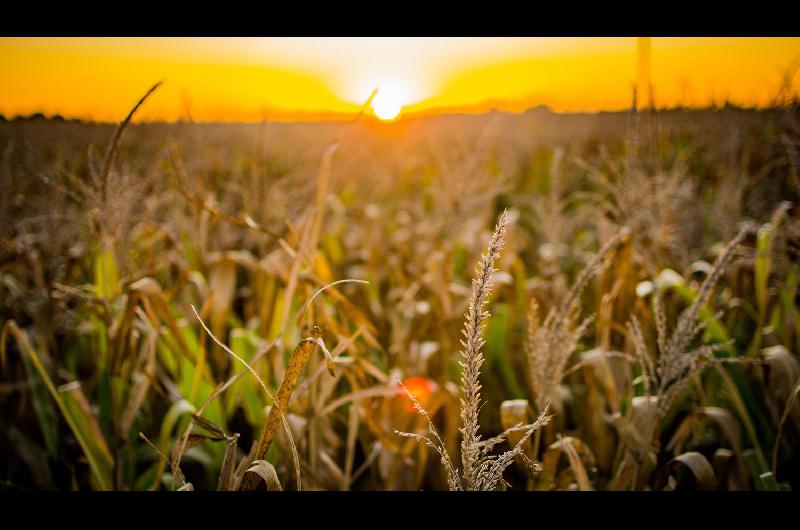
<point>529,301</point>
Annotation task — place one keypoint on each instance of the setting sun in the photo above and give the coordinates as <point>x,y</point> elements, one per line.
<point>387,104</point>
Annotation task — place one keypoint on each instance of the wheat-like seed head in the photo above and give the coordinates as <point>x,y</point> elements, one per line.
<point>481,471</point>
<point>676,364</point>
<point>472,357</point>
<point>550,345</point>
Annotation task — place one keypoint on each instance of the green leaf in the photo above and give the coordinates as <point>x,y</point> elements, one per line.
<point>99,462</point>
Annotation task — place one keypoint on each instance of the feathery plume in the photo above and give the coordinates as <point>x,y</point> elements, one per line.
<point>550,345</point>
<point>472,357</point>
<point>481,471</point>
<point>675,365</point>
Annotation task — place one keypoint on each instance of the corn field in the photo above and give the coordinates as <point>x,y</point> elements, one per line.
<point>533,301</point>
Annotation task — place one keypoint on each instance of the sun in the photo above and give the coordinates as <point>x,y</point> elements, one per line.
<point>387,104</point>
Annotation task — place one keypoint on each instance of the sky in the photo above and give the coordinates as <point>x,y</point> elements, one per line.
<point>249,79</point>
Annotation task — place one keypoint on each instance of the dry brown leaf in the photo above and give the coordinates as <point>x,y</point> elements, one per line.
<point>226,475</point>
<point>266,472</point>
<point>699,466</point>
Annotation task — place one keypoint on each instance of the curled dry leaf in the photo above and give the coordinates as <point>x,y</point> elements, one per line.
<point>573,448</point>
<point>699,466</point>
<point>266,471</point>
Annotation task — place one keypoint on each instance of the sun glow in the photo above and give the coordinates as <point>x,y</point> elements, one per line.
<point>309,79</point>
<point>387,104</point>
<point>394,92</point>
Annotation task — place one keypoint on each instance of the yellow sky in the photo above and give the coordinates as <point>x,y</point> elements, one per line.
<point>301,78</point>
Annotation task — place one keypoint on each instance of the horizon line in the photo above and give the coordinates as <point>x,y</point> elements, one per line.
<point>337,117</point>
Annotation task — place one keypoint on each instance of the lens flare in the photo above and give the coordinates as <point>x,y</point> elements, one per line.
<point>421,388</point>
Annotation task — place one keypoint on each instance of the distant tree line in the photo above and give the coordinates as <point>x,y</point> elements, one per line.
<point>38,116</point>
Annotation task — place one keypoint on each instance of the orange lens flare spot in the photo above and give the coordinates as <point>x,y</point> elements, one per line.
<point>421,388</point>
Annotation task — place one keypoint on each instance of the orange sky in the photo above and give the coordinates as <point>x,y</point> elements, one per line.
<point>247,79</point>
